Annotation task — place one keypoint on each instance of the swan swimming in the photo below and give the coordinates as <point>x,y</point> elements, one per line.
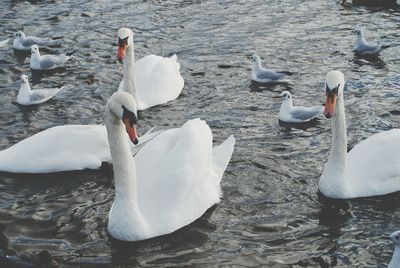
<point>172,180</point>
<point>371,167</point>
<point>157,79</point>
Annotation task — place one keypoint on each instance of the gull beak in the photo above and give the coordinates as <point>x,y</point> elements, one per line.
<point>277,97</point>
<point>131,130</point>
<point>330,105</point>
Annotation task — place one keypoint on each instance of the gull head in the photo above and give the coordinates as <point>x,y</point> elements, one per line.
<point>286,95</point>
<point>255,58</point>
<point>34,49</point>
<point>19,34</point>
<point>334,83</point>
<point>395,237</point>
<point>24,79</point>
<point>125,39</point>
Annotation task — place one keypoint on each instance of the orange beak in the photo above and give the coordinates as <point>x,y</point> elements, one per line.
<point>131,130</point>
<point>330,105</point>
<point>121,53</point>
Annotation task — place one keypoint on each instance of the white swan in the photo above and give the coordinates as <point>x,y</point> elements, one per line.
<point>296,114</point>
<point>61,148</point>
<point>171,182</point>
<point>26,96</point>
<point>157,79</point>
<point>395,261</point>
<point>371,167</point>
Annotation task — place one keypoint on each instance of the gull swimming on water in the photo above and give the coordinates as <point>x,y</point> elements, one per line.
<point>26,96</point>
<point>395,262</point>
<point>363,47</point>
<point>262,75</point>
<point>4,42</point>
<point>23,42</point>
<point>46,62</point>
<point>296,114</point>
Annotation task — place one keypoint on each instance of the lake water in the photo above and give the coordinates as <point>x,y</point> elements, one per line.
<point>271,213</point>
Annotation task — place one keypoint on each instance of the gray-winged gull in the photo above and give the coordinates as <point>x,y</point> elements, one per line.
<point>26,96</point>
<point>46,62</point>
<point>23,42</point>
<point>262,75</point>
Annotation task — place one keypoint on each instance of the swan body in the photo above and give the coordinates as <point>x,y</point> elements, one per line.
<point>61,148</point>
<point>46,62</point>
<point>395,261</point>
<point>371,168</point>
<point>170,183</point>
<point>296,114</point>
<point>157,79</point>
<point>26,96</point>
<point>365,48</point>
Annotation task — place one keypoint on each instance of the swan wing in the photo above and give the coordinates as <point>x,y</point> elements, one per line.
<point>373,165</point>
<point>178,179</point>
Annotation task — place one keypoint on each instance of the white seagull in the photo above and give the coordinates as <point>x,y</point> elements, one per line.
<point>46,62</point>
<point>363,47</point>
<point>296,114</point>
<point>262,75</point>
<point>395,262</point>
<point>22,42</point>
<point>26,96</point>
<point>4,42</point>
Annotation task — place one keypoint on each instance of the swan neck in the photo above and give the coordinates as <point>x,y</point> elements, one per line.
<point>123,163</point>
<point>129,71</point>
<point>333,182</point>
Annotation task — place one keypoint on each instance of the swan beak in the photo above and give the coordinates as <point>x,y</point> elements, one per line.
<point>121,52</point>
<point>330,105</point>
<point>131,130</point>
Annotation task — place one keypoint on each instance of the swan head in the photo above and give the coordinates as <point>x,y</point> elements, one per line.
<point>24,79</point>
<point>34,49</point>
<point>395,237</point>
<point>125,39</point>
<point>19,34</point>
<point>255,58</point>
<point>122,106</point>
<point>285,95</point>
<point>334,83</point>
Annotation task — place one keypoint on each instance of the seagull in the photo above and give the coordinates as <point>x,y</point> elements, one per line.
<point>22,42</point>
<point>395,262</point>
<point>363,47</point>
<point>298,114</point>
<point>262,75</point>
<point>26,96</point>
<point>46,62</point>
<point>4,42</point>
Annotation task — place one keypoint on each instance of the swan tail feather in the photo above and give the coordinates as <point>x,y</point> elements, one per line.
<point>222,155</point>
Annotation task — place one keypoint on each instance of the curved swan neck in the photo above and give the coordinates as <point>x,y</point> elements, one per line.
<point>129,71</point>
<point>333,181</point>
<point>122,159</point>
<point>395,262</point>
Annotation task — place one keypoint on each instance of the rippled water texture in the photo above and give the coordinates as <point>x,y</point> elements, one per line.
<point>271,213</point>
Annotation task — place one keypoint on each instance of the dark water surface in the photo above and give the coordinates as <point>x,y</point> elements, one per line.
<point>270,214</point>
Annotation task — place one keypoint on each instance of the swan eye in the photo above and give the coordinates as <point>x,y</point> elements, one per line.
<point>333,91</point>
<point>130,116</point>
